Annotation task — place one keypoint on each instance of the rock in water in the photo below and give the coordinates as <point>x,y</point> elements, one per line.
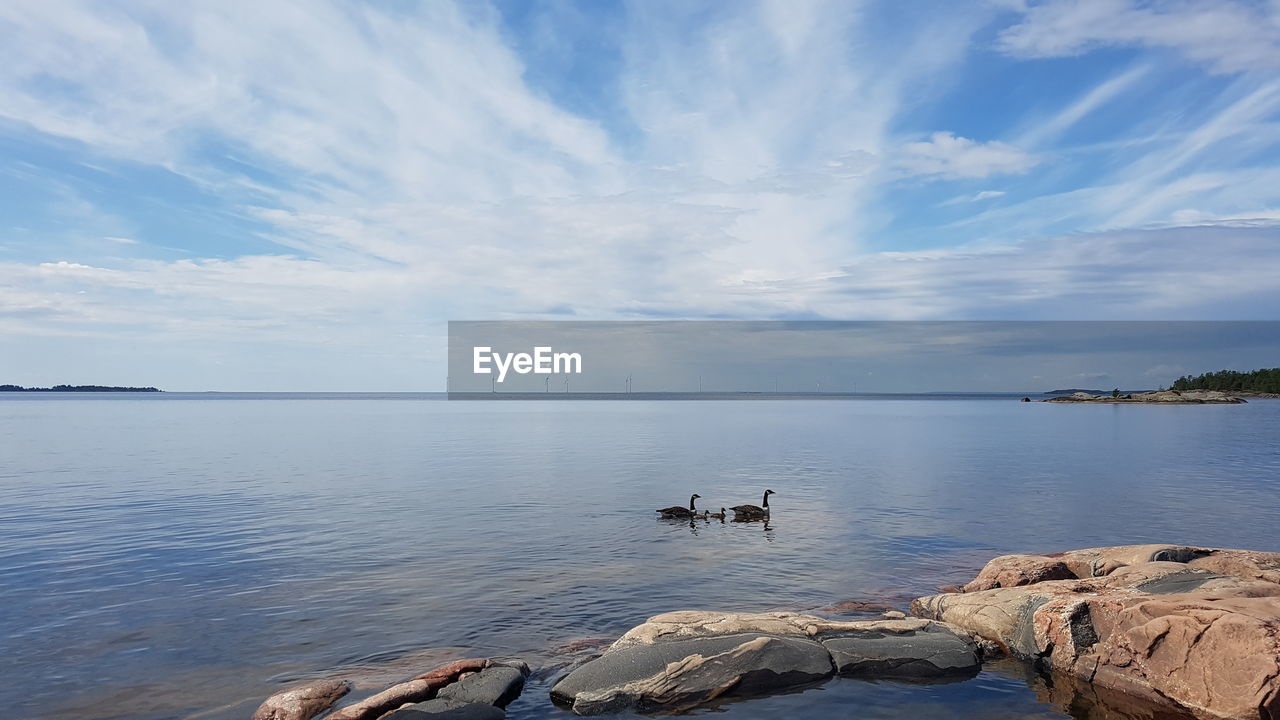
<point>474,711</point>
<point>680,660</point>
<point>1197,626</point>
<point>390,699</point>
<point>302,703</point>
<point>463,689</point>
<point>931,652</point>
<point>496,686</point>
<point>751,665</point>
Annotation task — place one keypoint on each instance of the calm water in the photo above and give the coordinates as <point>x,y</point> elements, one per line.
<point>179,556</point>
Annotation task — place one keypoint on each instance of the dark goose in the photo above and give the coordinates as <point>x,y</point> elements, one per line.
<point>753,512</point>
<point>675,511</point>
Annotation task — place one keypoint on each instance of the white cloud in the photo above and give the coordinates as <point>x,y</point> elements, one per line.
<point>354,100</point>
<point>1227,35</point>
<point>947,156</point>
<point>1149,274</point>
<point>976,197</point>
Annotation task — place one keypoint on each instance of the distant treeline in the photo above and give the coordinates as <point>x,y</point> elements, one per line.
<point>76,388</point>
<point>1265,381</point>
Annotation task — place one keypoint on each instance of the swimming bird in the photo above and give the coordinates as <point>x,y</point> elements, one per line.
<point>753,512</point>
<point>675,511</point>
<point>717,516</point>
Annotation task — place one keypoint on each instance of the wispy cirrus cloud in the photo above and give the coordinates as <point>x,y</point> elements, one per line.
<point>1228,36</point>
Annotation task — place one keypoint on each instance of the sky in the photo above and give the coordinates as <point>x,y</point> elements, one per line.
<point>299,195</point>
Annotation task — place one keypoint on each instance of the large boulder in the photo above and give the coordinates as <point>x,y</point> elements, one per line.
<point>1197,626</point>
<point>679,660</point>
<point>304,702</point>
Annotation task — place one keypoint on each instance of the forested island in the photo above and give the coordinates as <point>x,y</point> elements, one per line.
<point>1258,381</point>
<point>77,388</point>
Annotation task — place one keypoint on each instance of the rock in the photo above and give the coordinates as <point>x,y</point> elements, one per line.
<point>1199,627</point>
<point>1017,570</point>
<point>931,652</point>
<point>1087,701</point>
<point>380,673</point>
<point>681,674</point>
<point>686,624</point>
<point>1240,563</point>
<point>390,699</point>
<point>302,703</point>
<point>450,686</point>
<point>678,660</point>
<point>477,711</point>
<point>893,615</point>
<point>449,672</point>
<point>497,686</point>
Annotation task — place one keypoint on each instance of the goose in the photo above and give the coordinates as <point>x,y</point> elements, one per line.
<point>716,516</point>
<point>675,511</point>
<point>753,512</point>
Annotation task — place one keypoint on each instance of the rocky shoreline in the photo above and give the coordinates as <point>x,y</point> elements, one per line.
<point>1160,397</point>
<point>1159,628</point>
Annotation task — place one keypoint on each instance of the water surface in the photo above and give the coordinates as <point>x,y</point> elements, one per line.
<point>167,556</point>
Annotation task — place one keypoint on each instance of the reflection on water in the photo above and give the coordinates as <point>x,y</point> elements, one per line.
<point>161,557</point>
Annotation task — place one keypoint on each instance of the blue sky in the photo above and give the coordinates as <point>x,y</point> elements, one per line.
<point>295,196</point>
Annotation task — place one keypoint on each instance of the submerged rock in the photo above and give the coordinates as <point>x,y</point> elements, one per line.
<point>856,607</point>
<point>302,703</point>
<point>679,660</point>
<point>1197,626</point>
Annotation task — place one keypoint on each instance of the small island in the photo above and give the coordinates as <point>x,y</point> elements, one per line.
<point>1191,397</point>
<point>77,388</point>
<point>1225,387</point>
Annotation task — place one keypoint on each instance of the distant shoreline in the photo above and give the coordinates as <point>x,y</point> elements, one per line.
<point>78,388</point>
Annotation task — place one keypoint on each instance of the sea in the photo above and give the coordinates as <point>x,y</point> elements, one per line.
<point>185,555</point>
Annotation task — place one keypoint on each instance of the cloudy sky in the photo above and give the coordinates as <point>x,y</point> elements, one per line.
<point>297,196</point>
